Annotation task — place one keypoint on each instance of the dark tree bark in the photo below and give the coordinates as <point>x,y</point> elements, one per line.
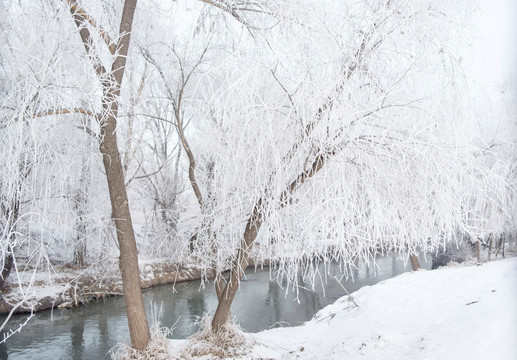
<point>6,269</point>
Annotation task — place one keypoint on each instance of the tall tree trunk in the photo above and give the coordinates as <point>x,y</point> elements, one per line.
<point>111,82</point>
<point>128,260</point>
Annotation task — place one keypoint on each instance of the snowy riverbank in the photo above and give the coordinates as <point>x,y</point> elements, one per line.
<point>67,287</point>
<point>458,312</point>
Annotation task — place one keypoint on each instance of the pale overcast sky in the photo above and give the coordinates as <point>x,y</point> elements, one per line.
<point>496,52</point>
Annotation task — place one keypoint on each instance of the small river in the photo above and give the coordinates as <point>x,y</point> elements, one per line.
<point>89,332</point>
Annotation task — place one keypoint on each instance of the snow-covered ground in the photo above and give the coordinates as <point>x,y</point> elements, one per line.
<point>458,312</point>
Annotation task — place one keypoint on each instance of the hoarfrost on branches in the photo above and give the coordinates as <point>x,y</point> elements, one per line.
<point>337,130</point>
<point>368,89</point>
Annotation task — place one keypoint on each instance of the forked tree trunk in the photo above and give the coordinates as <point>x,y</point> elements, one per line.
<point>111,81</point>
<point>128,259</point>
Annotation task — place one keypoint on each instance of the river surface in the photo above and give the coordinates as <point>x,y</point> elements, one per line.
<point>89,332</point>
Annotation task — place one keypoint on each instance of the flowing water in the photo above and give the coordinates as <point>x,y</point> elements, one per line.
<point>89,332</point>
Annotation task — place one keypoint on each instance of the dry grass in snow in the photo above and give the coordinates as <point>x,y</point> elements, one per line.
<point>229,342</point>
<point>157,349</point>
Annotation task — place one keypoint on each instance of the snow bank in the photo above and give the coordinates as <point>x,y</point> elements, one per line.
<point>462,312</point>
<point>452,313</point>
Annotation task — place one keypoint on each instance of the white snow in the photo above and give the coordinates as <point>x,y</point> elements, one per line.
<point>460,312</point>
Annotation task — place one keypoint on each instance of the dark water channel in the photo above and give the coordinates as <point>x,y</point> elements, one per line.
<point>89,332</point>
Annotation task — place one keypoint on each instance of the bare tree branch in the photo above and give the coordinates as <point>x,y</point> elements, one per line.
<point>67,111</point>
<point>74,7</point>
<point>86,37</point>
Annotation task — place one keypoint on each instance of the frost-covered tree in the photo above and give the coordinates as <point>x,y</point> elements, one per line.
<point>80,72</point>
<point>31,195</point>
<point>292,131</point>
<point>334,135</point>
<point>493,129</point>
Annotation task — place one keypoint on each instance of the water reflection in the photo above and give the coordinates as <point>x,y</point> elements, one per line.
<point>90,332</point>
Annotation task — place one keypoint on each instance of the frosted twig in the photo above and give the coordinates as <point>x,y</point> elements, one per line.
<point>350,297</point>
